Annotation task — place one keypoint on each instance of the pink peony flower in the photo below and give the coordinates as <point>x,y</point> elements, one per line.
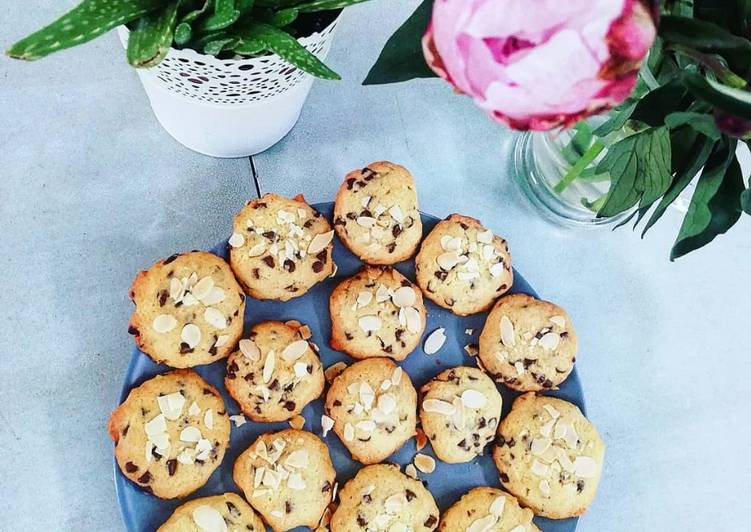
<point>539,64</point>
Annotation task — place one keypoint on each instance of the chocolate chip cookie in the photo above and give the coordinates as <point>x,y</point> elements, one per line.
<point>227,512</point>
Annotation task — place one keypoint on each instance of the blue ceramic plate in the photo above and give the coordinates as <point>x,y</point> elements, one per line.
<point>144,513</point>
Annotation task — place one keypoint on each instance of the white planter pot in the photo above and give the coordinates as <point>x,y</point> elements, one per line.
<point>229,107</point>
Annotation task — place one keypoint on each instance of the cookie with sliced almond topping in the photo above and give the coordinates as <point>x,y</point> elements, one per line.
<point>280,247</point>
<point>376,214</point>
<point>287,477</point>
<point>189,310</point>
<point>170,433</point>
<point>275,372</point>
<point>528,344</point>
<point>377,313</point>
<point>373,406</point>
<point>462,266</point>
<point>381,497</point>
<point>487,509</point>
<point>549,456</point>
<point>227,512</point>
<point>459,413</point>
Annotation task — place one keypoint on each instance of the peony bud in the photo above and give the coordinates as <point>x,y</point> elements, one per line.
<point>732,125</point>
<point>539,64</point>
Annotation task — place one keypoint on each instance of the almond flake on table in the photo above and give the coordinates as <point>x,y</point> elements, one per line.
<point>435,341</point>
<point>424,463</point>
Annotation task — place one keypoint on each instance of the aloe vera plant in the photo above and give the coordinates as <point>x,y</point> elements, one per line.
<point>226,27</point>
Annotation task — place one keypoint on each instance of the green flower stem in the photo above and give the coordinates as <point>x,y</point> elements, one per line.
<point>585,160</point>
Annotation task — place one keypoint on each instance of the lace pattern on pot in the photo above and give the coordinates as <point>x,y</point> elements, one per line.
<point>232,81</point>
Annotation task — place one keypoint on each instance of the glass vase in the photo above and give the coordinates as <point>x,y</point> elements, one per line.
<point>557,171</point>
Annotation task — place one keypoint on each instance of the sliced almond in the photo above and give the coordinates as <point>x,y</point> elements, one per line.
<point>319,242</point>
<point>438,406</point>
<point>171,405</point>
<point>485,237</point>
<point>236,240</point>
<point>396,213</point>
<point>369,323</point>
<point>434,341</point>
<point>540,445</point>
<point>157,425</point>
<point>215,318</point>
<point>540,469</point>
<point>473,399</point>
<point>190,434</point>
<point>396,376</point>
<point>395,503</point>
<point>424,463</point>
<point>327,424</point>
<point>451,243</point>
<point>208,519</point>
<point>550,341</point>
<point>194,409</point>
<point>297,422</point>
<point>413,318</point>
<point>334,370</point>
<point>496,270</point>
<point>164,323</point>
<point>250,350</point>
<point>560,321</point>
<point>404,296</point>
<point>295,350</point>
<point>268,366</point>
<point>257,250</point>
<point>297,459</point>
<point>305,332</point>
<point>301,370</point>
<point>191,335</point>
<point>421,440</point>
<point>364,298</point>
<point>215,296</point>
<point>544,487</point>
<point>410,471</point>
<point>296,482</point>
<point>507,332</point>
<point>238,420</point>
<point>366,221</point>
<point>448,260</point>
<point>387,403</point>
<point>483,524</point>
<point>349,432</point>
<point>496,508</point>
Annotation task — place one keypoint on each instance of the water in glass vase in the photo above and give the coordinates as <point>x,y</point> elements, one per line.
<point>557,170</point>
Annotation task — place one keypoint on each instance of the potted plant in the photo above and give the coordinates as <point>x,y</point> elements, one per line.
<point>226,78</point>
<point>621,115</point>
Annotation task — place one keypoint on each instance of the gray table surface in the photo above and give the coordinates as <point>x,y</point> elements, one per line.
<point>92,190</point>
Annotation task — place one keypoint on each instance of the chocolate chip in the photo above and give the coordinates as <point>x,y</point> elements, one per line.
<point>132,330</point>
<point>350,183</point>
<point>289,405</point>
<point>125,430</point>
<point>441,275</point>
<point>232,369</point>
<point>145,478</point>
<point>430,521</point>
<point>232,508</point>
<point>260,205</point>
<point>397,230</point>
<point>464,226</point>
<point>391,247</point>
<point>317,266</point>
<point>185,348</point>
<point>580,486</point>
<point>289,265</point>
<point>338,221</point>
<point>212,350</point>
<point>504,477</point>
<point>361,520</point>
<point>171,258</point>
<point>366,213</point>
<point>308,224</point>
<point>500,441</point>
<point>326,486</point>
<point>171,466</point>
<point>291,288</point>
<point>256,273</point>
<point>367,498</point>
<point>130,467</point>
<point>269,261</point>
<point>271,235</point>
<point>409,494</point>
<point>163,295</point>
<point>323,256</point>
<point>337,402</point>
<point>288,507</point>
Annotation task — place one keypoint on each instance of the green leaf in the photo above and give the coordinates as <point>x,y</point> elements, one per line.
<point>733,101</point>
<point>288,48</point>
<point>692,158</point>
<point>401,58</point>
<point>183,33</point>
<point>249,46</point>
<point>284,17</point>
<point>324,5</point>
<point>277,4</point>
<point>657,104</point>
<point>639,167</point>
<point>617,118</point>
<point>86,21</point>
<point>716,203</point>
<point>707,37</point>
<point>746,200</point>
<point>216,47</point>
<point>150,39</point>
<point>243,6</point>
<point>192,16</point>
<point>701,122</point>
<point>224,16</point>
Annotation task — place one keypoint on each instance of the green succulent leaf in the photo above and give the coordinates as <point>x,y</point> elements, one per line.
<point>249,46</point>
<point>200,42</point>
<point>639,167</point>
<point>243,6</point>
<point>716,203</point>
<point>150,39</point>
<point>701,122</point>
<point>730,100</point>
<point>288,48</point>
<point>692,157</point>
<point>401,58</point>
<point>183,33</point>
<point>277,4</point>
<point>284,17</point>
<point>224,16</point>
<point>86,21</point>
<point>323,5</point>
